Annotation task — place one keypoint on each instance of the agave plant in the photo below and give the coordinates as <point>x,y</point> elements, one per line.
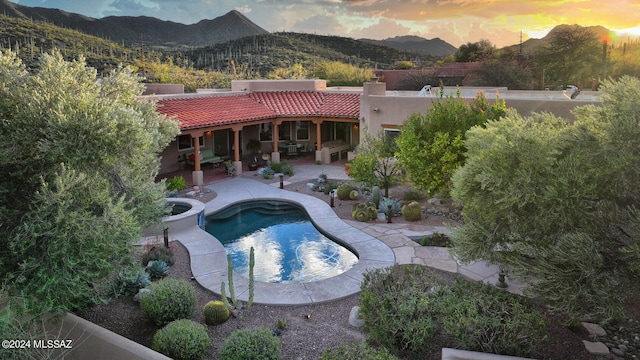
<point>157,269</point>
<point>396,206</point>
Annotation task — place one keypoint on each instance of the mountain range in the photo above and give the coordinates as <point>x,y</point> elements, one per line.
<point>131,30</point>
<point>128,30</point>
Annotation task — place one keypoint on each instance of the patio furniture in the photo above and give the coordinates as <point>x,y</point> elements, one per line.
<point>206,156</point>
<point>292,150</point>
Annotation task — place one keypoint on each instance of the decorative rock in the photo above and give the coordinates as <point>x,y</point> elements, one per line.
<point>596,348</point>
<point>354,319</point>
<point>617,352</point>
<point>141,293</point>
<point>594,329</point>
<point>191,194</point>
<point>434,201</point>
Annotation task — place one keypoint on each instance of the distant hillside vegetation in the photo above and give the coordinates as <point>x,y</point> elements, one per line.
<point>416,44</point>
<point>29,39</point>
<point>263,53</point>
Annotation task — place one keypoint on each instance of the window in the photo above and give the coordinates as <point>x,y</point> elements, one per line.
<point>185,142</point>
<point>302,130</point>
<point>391,133</point>
<point>266,132</point>
<point>284,131</point>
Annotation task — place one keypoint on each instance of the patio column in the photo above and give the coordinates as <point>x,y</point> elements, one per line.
<point>197,172</point>
<point>275,155</point>
<point>237,162</point>
<point>318,141</point>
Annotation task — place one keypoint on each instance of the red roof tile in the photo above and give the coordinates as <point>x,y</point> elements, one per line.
<point>228,109</point>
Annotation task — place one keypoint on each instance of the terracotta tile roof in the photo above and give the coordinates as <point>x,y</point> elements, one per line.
<point>213,110</point>
<point>228,109</point>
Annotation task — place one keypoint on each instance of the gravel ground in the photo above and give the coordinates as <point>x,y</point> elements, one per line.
<point>305,337</point>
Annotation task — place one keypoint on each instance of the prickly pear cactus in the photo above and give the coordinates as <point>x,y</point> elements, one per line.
<point>215,313</point>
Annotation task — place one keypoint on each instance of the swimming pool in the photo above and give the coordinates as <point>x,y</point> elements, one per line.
<point>288,247</point>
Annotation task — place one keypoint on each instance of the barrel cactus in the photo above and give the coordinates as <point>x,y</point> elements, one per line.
<point>364,211</point>
<point>375,195</point>
<point>343,191</point>
<point>412,211</point>
<point>354,195</point>
<point>215,313</point>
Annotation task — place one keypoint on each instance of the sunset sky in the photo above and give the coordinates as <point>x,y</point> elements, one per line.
<point>455,21</point>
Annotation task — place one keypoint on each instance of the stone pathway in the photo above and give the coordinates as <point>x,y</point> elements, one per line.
<point>399,238</point>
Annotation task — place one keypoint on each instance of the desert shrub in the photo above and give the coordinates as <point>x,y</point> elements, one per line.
<point>268,173</point>
<point>436,239</point>
<point>182,340</point>
<point>157,269</point>
<point>400,306</point>
<point>215,313</point>
<point>396,206</point>
<point>176,183</point>
<point>412,211</point>
<point>251,344</point>
<point>287,169</point>
<point>158,252</point>
<point>412,195</point>
<point>357,351</point>
<point>487,319</point>
<point>343,191</point>
<point>169,300</point>
<point>276,167</point>
<point>330,186</point>
<point>129,281</point>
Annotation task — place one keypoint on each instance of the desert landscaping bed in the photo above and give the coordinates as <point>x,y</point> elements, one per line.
<point>311,329</point>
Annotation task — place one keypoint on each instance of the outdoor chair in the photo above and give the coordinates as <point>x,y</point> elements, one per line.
<point>292,150</point>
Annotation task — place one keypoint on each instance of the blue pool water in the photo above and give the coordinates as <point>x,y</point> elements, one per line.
<point>287,246</point>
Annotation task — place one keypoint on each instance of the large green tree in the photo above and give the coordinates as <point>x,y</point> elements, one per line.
<point>558,202</point>
<point>430,146</point>
<point>571,56</point>
<point>78,157</point>
<point>477,51</point>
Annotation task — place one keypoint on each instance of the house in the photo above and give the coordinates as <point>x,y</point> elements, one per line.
<point>283,116</point>
<point>305,116</point>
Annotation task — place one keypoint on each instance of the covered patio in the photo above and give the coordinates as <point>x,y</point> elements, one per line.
<point>316,125</point>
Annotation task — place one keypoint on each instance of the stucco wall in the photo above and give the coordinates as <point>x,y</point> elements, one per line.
<point>160,89</point>
<point>278,85</point>
<point>381,109</point>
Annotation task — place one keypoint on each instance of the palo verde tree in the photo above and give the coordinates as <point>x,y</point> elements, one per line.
<point>558,202</point>
<point>375,162</point>
<point>78,158</point>
<point>430,146</point>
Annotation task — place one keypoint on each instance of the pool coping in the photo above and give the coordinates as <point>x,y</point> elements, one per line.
<point>209,262</point>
